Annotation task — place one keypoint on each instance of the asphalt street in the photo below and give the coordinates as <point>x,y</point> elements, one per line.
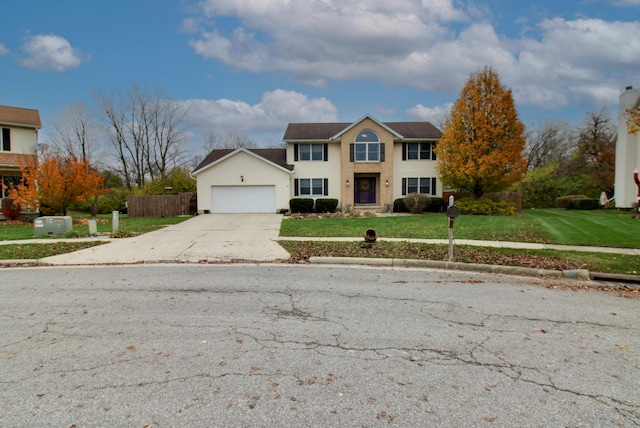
<point>287,345</point>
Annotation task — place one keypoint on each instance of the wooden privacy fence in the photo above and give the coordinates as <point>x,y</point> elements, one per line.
<point>161,205</point>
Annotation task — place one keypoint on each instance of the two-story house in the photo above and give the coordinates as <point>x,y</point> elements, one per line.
<point>18,142</point>
<point>365,165</point>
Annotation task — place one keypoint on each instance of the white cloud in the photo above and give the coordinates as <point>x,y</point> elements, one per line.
<point>4,50</point>
<point>269,117</point>
<point>627,2</point>
<point>436,115</point>
<point>428,44</point>
<point>51,52</point>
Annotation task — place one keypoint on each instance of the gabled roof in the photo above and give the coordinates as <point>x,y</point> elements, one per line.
<point>276,157</point>
<point>20,116</point>
<point>333,130</point>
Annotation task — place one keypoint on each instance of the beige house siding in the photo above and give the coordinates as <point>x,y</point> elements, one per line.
<point>318,169</point>
<point>381,170</point>
<point>23,125</point>
<point>413,168</point>
<point>242,169</point>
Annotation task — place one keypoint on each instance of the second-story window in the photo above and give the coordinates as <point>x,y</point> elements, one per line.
<point>310,152</point>
<point>367,148</point>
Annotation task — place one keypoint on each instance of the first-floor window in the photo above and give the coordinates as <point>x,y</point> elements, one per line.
<point>7,183</point>
<point>311,186</point>
<point>424,185</point>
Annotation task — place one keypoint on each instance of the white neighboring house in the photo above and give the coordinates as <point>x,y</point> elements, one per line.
<point>18,143</point>
<point>627,152</point>
<point>365,165</point>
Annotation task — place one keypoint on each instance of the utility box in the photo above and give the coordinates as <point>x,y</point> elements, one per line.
<point>52,225</point>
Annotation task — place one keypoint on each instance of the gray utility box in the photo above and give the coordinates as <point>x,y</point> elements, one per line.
<point>52,225</point>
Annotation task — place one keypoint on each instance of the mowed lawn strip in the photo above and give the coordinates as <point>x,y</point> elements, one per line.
<point>539,259</point>
<point>600,228</point>
<point>38,251</point>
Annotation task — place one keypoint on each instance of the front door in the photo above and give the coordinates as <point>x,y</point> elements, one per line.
<point>365,190</point>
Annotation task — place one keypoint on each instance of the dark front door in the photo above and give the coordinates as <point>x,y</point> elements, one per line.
<point>365,191</point>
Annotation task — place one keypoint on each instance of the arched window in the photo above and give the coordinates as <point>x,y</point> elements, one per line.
<point>367,147</point>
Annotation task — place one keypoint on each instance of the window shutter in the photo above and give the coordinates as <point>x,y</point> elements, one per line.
<point>404,151</point>
<point>433,186</point>
<point>296,190</point>
<point>295,153</point>
<point>6,139</point>
<point>326,187</point>
<point>326,152</point>
<point>351,150</point>
<point>404,186</point>
<point>381,152</point>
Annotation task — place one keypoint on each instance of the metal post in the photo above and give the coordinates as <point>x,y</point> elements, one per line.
<point>115,221</point>
<point>451,220</point>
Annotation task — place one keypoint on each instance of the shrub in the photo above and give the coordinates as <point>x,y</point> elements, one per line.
<point>584,204</point>
<point>301,205</point>
<point>9,210</point>
<point>399,206</point>
<point>115,200</point>
<point>326,205</point>
<point>485,206</point>
<point>417,202</point>
<point>565,201</point>
<point>436,205</point>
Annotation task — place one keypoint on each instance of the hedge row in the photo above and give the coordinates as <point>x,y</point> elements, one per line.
<point>306,205</point>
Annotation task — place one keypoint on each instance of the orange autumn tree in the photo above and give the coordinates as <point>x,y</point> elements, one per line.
<point>482,145</point>
<point>54,182</point>
<point>633,120</point>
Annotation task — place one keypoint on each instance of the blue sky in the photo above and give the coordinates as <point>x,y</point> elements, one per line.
<point>252,66</point>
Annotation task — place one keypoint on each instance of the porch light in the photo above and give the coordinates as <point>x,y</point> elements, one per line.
<point>347,182</point>
<point>242,178</point>
<point>387,183</point>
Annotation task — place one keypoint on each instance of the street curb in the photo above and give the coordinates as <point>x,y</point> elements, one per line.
<point>617,277</point>
<point>435,264</point>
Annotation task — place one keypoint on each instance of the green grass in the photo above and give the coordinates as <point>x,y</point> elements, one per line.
<point>10,231</point>
<point>539,259</point>
<point>38,251</point>
<point>603,228</point>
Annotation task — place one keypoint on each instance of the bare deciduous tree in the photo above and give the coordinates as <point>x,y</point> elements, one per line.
<point>551,141</point>
<point>73,133</point>
<point>146,130</point>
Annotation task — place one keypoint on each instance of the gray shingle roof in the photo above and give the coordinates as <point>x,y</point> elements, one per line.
<point>276,156</point>
<point>324,131</point>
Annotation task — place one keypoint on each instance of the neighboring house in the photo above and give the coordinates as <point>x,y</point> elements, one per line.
<point>627,152</point>
<point>18,142</point>
<point>365,165</point>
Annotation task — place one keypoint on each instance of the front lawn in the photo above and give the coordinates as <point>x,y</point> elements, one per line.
<point>602,228</point>
<point>10,230</point>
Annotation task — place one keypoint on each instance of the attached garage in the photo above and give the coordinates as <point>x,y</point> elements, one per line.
<point>243,199</point>
<point>244,181</point>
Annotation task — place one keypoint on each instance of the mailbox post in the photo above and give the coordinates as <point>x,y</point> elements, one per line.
<point>452,213</point>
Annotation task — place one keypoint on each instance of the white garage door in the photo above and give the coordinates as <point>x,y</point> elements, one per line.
<point>243,199</point>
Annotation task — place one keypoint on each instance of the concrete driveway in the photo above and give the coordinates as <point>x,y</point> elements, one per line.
<point>209,237</point>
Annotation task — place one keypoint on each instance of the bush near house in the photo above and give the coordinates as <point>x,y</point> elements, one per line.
<point>301,205</point>
<point>399,206</point>
<point>326,205</point>
<point>436,205</point>
<point>485,206</point>
<point>10,210</point>
<point>565,201</point>
<point>584,204</point>
<point>417,203</point>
